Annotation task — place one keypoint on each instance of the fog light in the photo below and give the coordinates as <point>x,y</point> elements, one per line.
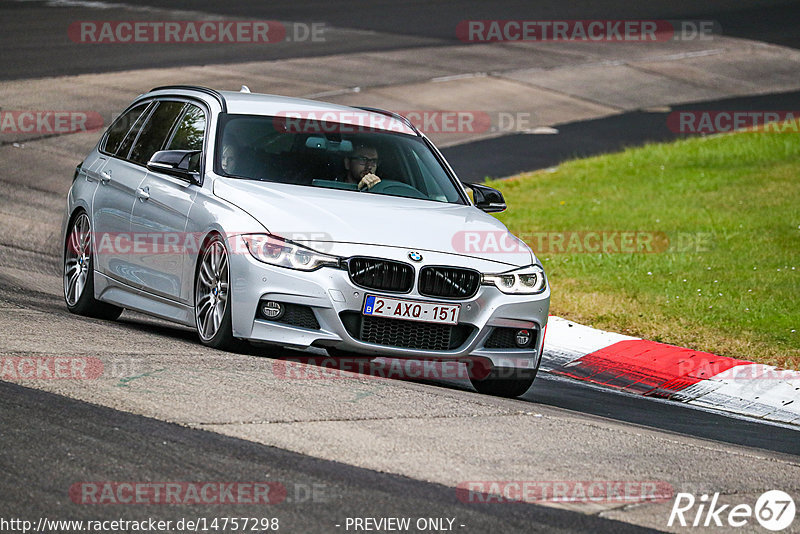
<point>272,310</point>
<point>522,338</point>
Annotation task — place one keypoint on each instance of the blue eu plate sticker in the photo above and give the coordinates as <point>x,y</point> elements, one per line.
<point>369,305</point>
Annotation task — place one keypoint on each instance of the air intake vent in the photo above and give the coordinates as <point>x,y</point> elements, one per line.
<point>292,314</point>
<point>406,334</point>
<point>506,338</point>
<point>448,282</point>
<point>382,275</point>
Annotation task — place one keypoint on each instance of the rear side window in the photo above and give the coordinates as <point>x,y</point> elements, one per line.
<point>191,130</point>
<point>189,135</point>
<point>127,143</point>
<point>121,126</point>
<point>155,131</point>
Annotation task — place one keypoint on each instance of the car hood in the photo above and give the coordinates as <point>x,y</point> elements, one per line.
<point>307,214</point>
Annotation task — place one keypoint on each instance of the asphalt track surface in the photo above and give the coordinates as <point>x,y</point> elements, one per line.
<point>50,441</point>
<point>34,39</point>
<point>512,154</point>
<point>90,443</point>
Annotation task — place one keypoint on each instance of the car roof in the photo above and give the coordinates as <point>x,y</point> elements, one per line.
<point>247,103</point>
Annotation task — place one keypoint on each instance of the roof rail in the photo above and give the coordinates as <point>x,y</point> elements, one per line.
<point>392,114</point>
<point>212,92</point>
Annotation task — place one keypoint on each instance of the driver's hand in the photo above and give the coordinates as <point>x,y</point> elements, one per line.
<point>368,181</point>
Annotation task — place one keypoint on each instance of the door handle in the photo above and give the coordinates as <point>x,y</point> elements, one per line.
<point>105,177</point>
<point>143,193</point>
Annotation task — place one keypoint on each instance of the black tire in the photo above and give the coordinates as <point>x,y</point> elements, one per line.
<point>218,333</point>
<point>78,276</point>
<point>504,382</point>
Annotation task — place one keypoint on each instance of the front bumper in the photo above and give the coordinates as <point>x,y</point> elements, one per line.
<point>332,296</point>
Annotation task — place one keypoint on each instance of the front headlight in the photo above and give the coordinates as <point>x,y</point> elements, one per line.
<point>278,251</point>
<point>527,280</point>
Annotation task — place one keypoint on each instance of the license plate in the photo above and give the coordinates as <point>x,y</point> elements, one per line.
<point>411,310</point>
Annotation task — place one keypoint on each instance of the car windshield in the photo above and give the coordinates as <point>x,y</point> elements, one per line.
<point>332,155</point>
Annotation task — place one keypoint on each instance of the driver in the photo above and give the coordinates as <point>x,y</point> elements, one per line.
<point>361,165</point>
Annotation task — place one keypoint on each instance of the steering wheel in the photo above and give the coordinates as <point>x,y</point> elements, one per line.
<point>393,187</point>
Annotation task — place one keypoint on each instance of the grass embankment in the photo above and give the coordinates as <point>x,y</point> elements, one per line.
<point>721,218</point>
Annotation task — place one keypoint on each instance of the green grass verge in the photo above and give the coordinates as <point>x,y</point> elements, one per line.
<point>722,217</point>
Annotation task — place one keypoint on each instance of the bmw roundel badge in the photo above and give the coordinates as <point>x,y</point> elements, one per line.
<point>414,256</point>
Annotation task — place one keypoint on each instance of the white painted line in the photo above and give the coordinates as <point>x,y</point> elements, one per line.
<point>541,130</point>
<point>453,77</point>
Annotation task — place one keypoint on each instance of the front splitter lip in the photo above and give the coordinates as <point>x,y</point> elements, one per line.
<point>270,332</point>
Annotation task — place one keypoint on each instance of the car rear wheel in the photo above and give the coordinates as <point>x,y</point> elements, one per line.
<point>504,382</point>
<point>212,307</point>
<point>79,273</point>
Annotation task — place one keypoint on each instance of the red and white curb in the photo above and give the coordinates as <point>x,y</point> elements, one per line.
<point>658,370</point>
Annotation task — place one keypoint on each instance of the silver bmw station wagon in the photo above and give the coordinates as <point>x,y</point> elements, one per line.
<point>266,219</point>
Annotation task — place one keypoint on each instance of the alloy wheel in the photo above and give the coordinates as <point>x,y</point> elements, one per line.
<point>211,292</point>
<point>76,259</point>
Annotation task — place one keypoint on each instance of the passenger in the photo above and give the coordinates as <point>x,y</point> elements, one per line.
<point>229,159</point>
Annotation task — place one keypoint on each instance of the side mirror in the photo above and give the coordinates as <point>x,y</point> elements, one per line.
<point>487,198</point>
<point>183,164</point>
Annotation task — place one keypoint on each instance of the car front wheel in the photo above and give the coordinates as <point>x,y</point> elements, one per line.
<point>503,382</point>
<point>212,306</point>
